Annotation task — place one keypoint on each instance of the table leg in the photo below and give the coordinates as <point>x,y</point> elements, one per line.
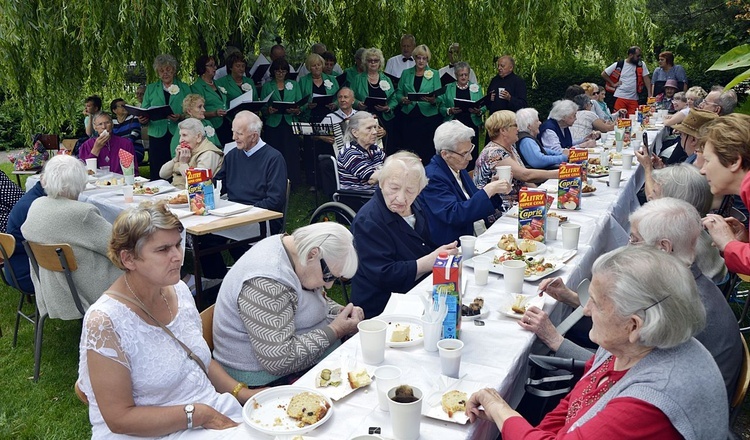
<point>197,272</point>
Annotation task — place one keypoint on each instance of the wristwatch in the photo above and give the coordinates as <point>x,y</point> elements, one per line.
<point>189,408</point>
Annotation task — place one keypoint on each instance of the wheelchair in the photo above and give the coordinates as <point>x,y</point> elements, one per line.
<point>343,204</point>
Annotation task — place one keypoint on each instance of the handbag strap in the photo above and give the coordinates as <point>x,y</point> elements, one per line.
<point>187,349</point>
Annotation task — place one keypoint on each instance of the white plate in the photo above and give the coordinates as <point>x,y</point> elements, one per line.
<point>436,412</point>
<point>588,194</point>
<point>231,209</point>
<point>536,300</point>
<point>171,196</point>
<point>540,248</point>
<point>162,190</point>
<point>512,212</point>
<point>341,391</point>
<point>114,183</point>
<point>180,213</point>
<point>554,257</point>
<point>594,176</point>
<point>605,180</point>
<point>415,330</point>
<point>140,179</point>
<point>483,313</point>
<point>269,406</point>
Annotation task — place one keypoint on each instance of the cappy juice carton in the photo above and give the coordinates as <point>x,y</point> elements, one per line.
<point>200,190</point>
<point>446,279</point>
<point>569,186</point>
<point>532,214</point>
<point>580,156</point>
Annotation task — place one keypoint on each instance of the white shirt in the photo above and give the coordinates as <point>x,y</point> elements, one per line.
<point>396,65</point>
<point>220,72</point>
<point>628,86</point>
<point>338,116</point>
<point>303,70</point>
<point>449,70</point>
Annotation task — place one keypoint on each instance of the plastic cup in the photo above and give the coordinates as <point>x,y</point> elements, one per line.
<point>627,161</point>
<point>431,332</point>
<point>481,270</point>
<point>513,272</point>
<point>372,339</point>
<point>571,232</point>
<point>127,192</point>
<point>450,356</point>
<point>406,417</point>
<point>618,146</point>
<point>605,158</point>
<point>614,177</point>
<point>552,224</point>
<point>503,172</point>
<point>467,246</point>
<point>386,377</point>
<point>91,164</point>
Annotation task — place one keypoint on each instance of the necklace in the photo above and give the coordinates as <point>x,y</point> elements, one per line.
<point>464,87</point>
<point>209,83</point>
<point>171,316</point>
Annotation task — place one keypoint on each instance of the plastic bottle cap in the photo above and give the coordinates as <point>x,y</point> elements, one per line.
<point>443,254</point>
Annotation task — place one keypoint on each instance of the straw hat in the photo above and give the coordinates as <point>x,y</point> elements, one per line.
<point>693,122</point>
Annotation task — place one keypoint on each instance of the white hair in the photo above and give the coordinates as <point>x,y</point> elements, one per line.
<point>683,181</point>
<point>334,241</point>
<point>673,219</point>
<point>193,126</point>
<point>403,165</point>
<point>64,176</point>
<point>563,108</point>
<point>251,121</point>
<point>354,122</point>
<point>525,117</point>
<point>450,133</point>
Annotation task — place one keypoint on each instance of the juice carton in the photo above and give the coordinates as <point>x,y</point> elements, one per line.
<point>532,213</point>
<point>627,125</point>
<point>446,279</point>
<point>580,156</point>
<point>569,186</point>
<point>200,190</point>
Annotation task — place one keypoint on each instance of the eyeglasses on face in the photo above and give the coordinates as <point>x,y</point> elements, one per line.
<point>328,276</point>
<point>466,155</point>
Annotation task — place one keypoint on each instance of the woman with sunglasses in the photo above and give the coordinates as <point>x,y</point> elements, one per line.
<point>272,319</point>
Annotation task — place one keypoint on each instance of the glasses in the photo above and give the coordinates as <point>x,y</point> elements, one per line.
<point>705,103</point>
<point>328,276</point>
<point>466,155</point>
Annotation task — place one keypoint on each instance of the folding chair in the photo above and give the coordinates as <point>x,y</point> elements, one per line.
<point>7,247</point>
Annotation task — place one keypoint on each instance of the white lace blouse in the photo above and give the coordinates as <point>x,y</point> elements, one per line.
<point>161,372</point>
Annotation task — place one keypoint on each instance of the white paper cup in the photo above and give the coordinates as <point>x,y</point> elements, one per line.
<point>91,163</point>
<point>627,161</point>
<point>513,271</point>
<point>571,232</point>
<point>467,246</point>
<point>552,224</point>
<point>431,332</point>
<point>605,158</point>
<point>127,191</point>
<point>386,377</point>
<point>503,172</point>
<point>618,145</point>
<point>405,417</point>
<point>614,177</point>
<point>372,339</point>
<point>450,356</point>
<point>481,270</point>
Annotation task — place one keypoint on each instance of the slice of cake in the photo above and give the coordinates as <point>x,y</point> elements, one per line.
<point>453,402</point>
<point>400,333</point>
<point>308,408</point>
<point>359,379</point>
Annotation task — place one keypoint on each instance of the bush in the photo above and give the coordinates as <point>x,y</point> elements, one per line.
<point>11,137</point>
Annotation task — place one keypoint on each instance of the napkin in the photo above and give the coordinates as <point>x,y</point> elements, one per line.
<point>126,159</point>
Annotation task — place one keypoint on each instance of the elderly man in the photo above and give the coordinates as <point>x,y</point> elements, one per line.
<point>254,173</point>
<point>453,204</point>
<point>627,78</point>
<point>398,63</point>
<point>673,226</point>
<point>106,147</point>
<point>720,102</point>
<point>507,90</point>
<point>454,56</point>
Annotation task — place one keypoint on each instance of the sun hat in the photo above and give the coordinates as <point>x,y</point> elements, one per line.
<point>671,83</point>
<point>693,122</point>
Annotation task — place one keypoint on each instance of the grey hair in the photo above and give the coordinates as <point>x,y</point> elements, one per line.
<point>194,126</point>
<point>525,117</point>
<point>354,122</point>
<point>450,133</point>
<point>403,165</point>
<point>582,101</point>
<point>727,101</point>
<point>358,54</point>
<point>684,181</point>
<point>562,108</point>
<point>672,219</point>
<point>679,96</point>
<point>252,121</point>
<point>658,288</point>
<point>64,176</point>
<point>460,66</point>
<point>334,241</point>
<point>165,60</point>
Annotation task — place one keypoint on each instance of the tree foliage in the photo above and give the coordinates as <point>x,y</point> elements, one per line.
<point>55,52</point>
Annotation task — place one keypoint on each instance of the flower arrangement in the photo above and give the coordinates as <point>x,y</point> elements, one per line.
<point>29,158</point>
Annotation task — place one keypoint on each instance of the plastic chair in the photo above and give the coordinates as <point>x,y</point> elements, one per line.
<point>55,258</point>
<point>207,322</point>
<point>7,247</point>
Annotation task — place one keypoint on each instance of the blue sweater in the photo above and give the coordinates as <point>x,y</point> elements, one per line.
<point>258,180</point>
<point>535,155</point>
<point>20,261</point>
<point>388,249</point>
<point>449,214</point>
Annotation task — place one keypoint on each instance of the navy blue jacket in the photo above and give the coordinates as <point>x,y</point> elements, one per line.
<point>449,214</point>
<point>20,261</point>
<point>566,139</point>
<point>388,249</point>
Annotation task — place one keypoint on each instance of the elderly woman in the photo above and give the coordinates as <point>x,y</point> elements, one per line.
<point>76,223</point>
<point>194,151</point>
<point>215,96</point>
<point>392,236</point>
<point>664,99</point>
<point>317,83</point>
<point>277,126</point>
<point>272,316</point>
<point>360,160</point>
<point>463,90</point>
<point>726,162</point>
<point>127,126</point>
<point>419,119</point>
<point>588,123</point>
<point>693,97</point>
<point>532,152</point>
<point>501,151</point>
<point>645,309</point>
<point>452,202</point>
<point>137,377</point>
<point>555,131</point>
<point>236,83</point>
<point>195,107</point>
<point>668,71</point>
<point>373,83</point>
<point>170,91</point>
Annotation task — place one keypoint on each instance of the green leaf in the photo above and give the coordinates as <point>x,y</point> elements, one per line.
<point>735,58</point>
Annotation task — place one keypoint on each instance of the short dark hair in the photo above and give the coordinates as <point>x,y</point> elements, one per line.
<point>668,57</point>
<point>279,64</point>
<point>113,104</point>
<point>329,56</point>
<point>233,58</point>
<point>633,49</point>
<point>573,91</point>
<point>200,63</point>
<point>96,100</point>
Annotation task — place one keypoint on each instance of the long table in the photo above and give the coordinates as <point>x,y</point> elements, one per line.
<point>495,354</point>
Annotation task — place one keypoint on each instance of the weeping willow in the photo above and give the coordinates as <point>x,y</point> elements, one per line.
<point>55,52</point>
